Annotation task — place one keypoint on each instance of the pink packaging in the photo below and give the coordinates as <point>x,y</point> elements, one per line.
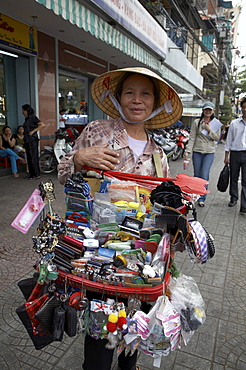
<point>29,213</point>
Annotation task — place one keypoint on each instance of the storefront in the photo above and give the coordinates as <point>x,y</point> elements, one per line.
<point>48,74</point>
<point>18,48</point>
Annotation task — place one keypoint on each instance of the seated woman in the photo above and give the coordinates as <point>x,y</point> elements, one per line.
<point>19,143</point>
<point>6,149</point>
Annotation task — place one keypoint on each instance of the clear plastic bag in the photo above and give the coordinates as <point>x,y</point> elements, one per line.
<point>122,190</point>
<point>187,300</point>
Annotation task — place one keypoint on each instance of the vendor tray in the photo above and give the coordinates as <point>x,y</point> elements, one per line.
<point>146,294</point>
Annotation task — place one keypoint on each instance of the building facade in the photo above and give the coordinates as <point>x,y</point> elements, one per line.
<point>57,47</point>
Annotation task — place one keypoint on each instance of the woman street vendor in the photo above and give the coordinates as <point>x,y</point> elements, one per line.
<point>136,99</point>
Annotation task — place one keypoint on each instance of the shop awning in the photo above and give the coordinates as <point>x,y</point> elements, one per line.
<point>82,17</point>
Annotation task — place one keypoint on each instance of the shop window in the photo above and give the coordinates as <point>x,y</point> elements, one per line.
<point>73,93</point>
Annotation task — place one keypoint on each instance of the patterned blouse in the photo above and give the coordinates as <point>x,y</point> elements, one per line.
<point>113,133</point>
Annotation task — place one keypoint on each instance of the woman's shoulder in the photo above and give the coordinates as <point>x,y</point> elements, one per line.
<point>34,118</point>
<point>196,120</point>
<point>105,124</point>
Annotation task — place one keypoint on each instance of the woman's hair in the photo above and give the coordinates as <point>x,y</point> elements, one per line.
<point>118,90</point>
<point>5,127</point>
<point>201,118</point>
<point>28,109</point>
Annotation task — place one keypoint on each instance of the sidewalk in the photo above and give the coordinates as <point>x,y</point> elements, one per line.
<point>220,343</point>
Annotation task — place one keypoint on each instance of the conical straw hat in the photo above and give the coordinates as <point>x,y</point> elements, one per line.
<point>109,80</point>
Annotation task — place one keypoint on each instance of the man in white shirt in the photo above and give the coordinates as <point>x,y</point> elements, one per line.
<point>236,146</point>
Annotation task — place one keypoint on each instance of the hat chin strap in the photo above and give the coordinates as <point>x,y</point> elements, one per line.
<point>167,106</point>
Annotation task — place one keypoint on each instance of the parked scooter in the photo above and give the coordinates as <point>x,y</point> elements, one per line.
<point>51,156</point>
<point>164,139</point>
<point>182,139</point>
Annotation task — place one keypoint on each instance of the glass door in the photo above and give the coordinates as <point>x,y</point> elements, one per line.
<point>3,118</point>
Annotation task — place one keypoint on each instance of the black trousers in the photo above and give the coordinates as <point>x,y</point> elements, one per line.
<point>237,163</point>
<point>32,158</point>
<point>96,356</point>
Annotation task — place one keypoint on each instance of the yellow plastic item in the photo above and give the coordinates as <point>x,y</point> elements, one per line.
<point>121,203</point>
<point>133,205</point>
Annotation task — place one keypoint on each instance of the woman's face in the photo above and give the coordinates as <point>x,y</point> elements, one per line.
<point>137,98</point>
<point>7,131</point>
<point>208,112</point>
<point>24,112</point>
<point>20,130</point>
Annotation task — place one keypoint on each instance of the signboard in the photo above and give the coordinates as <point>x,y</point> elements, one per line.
<point>137,20</point>
<point>18,35</point>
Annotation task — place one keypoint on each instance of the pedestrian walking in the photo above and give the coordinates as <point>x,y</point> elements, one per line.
<point>235,155</point>
<point>202,145</point>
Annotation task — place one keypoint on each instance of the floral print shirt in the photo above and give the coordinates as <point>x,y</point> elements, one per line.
<point>113,133</point>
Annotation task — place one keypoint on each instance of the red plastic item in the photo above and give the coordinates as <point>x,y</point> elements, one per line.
<point>191,185</point>
<point>75,216</point>
<point>148,294</point>
<point>188,184</point>
<point>71,241</point>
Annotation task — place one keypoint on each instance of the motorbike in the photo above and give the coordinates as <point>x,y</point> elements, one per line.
<point>51,156</point>
<point>165,140</point>
<point>182,140</point>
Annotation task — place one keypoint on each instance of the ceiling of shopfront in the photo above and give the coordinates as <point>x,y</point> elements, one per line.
<point>45,20</point>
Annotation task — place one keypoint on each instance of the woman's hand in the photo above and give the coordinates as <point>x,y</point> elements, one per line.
<point>207,127</point>
<point>186,156</point>
<point>98,156</point>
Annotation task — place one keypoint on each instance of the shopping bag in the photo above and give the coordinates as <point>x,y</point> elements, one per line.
<point>223,181</point>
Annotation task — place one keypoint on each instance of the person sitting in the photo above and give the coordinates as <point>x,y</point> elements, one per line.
<point>19,143</point>
<point>6,149</point>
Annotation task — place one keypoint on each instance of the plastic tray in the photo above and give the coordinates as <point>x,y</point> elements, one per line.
<point>146,294</point>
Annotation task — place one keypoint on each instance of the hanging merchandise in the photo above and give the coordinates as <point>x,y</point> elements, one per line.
<point>122,245</point>
<point>187,300</point>
<point>29,213</point>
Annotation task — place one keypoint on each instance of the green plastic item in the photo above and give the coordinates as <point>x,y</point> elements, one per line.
<point>155,238</point>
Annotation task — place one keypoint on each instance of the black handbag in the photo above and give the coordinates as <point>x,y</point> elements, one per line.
<point>58,323</point>
<point>71,320</point>
<point>224,177</point>
<point>39,341</point>
<point>46,313</point>
<point>26,286</point>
